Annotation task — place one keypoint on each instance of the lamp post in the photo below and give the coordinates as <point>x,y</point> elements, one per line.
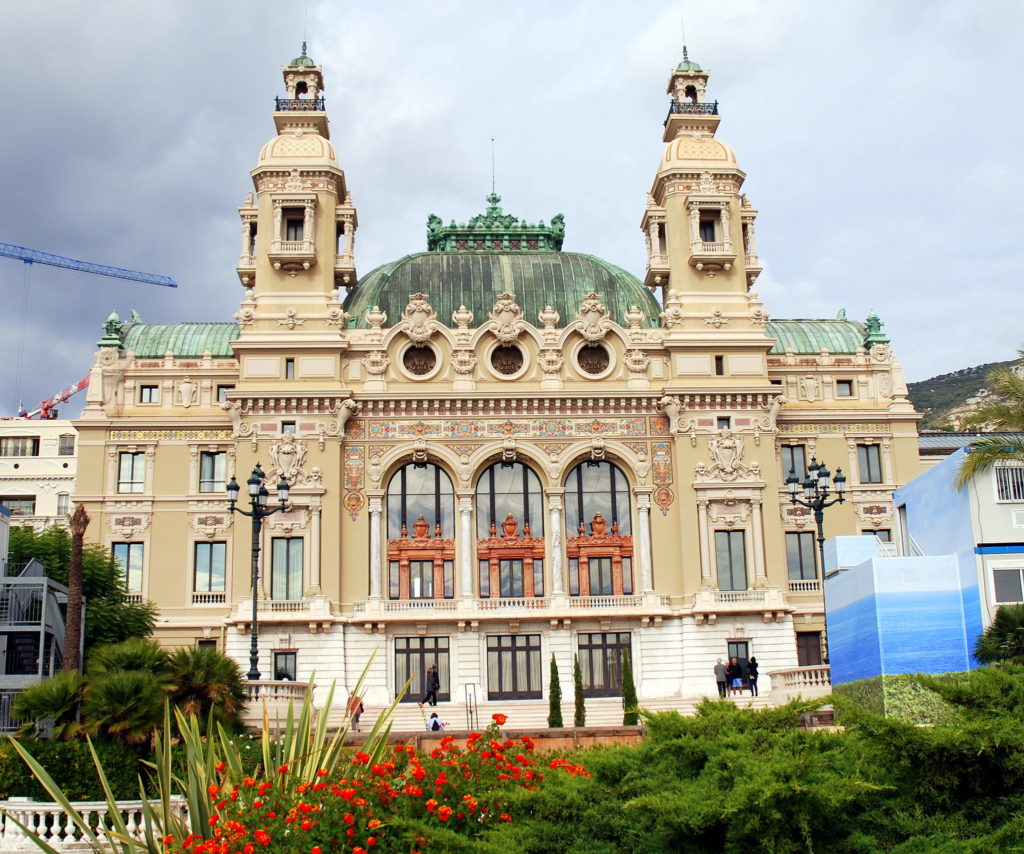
<point>258,498</point>
<point>816,498</point>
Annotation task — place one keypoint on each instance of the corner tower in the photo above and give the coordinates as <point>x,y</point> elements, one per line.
<point>298,234</point>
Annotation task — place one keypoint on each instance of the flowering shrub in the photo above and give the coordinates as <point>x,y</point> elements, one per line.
<point>396,804</point>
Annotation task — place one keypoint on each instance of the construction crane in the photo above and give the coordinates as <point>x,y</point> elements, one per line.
<point>34,256</point>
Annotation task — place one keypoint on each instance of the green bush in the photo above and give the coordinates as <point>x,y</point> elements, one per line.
<point>71,763</point>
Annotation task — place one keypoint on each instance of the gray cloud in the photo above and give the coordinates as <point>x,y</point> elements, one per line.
<point>880,140</point>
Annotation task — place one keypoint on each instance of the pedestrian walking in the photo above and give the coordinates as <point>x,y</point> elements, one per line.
<point>720,678</point>
<point>432,684</point>
<point>355,709</point>
<point>752,675</point>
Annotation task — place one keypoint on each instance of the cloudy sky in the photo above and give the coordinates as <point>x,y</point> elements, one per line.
<point>881,138</point>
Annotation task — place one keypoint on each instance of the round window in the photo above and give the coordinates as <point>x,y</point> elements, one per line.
<point>507,359</point>
<point>419,360</point>
<point>593,359</point>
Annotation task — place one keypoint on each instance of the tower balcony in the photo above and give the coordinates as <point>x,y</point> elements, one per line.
<point>292,105</point>
<point>685,116</point>
<point>292,255</point>
<point>710,257</point>
<point>657,271</point>
<point>344,270</point>
<point>246,269</point>
<point>753,267</point>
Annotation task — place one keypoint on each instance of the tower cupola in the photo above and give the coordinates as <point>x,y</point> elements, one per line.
<point>690,111</point>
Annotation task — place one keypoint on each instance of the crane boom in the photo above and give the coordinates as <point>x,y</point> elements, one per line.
<point>34,256</point>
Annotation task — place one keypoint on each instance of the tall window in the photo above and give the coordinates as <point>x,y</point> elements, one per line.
<point>421,528</point>
<point>129,555</point>
<point>794,459</point>
<point>1009,483</point>
<point>293,228</point>
<point>808,649</point>
<point>601,660</point>
<point>800,556</point>
<point>596,488</point>
<point>1008,587</point>
<point>509,489</point>
<point>286,665</point>
<point>869,458</point>
<point>412,658</point>
<point>513,667</point>
<point>212,471</point>
<point>210,564</point>
<point>19,446</point>
<point>66,446</point>
<point>730,551</point>
<point>597,521</point>
<point>63,503</point>
<point>131,471</point>
<point>286,568</point>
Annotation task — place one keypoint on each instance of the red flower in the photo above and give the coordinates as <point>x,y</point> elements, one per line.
<point>316,849</point>
<point>262,837</point>
<point>283,769</point>
<point>499,718</point>
<point>444,813</point>
<point>505,817</point>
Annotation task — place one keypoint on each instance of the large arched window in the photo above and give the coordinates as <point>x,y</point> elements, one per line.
<point>421,530</point>
<point>597,520</point>
<point>510,532</point>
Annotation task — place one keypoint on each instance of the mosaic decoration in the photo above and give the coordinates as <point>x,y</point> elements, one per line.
<point>663,497</point>
<point>168,435</point>
<point>661,459</point>
<point>541,428</point>
<point>866,427</point>
<point>353,503</point>
<point>463,450</point>
<point>354,429</point>
<point>638,448</point>
<point>660,426</point>
<point>552,450</point>
<point>354,479</point>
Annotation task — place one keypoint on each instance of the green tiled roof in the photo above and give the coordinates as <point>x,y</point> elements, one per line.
<point>149,340</point>
<point>476,280</point>
<point>810,336</point>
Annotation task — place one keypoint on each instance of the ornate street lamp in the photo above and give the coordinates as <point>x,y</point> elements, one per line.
<point>258,498</point>
<point>816,498</point>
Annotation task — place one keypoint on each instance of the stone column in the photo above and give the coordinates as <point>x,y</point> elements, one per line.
<point>314,549</point>
<point>246,238</point>
<point>278,235</point>
<point>308,224</point>
<point>555,499</point>
<point>376,504</point>
<point>643,507</point>
<point>757,543</point>
<point>723,217</point>
<point>350,236</point>
<point>465,545</point>
<point>655,240</point>
<point>694,225</point>
<point>705,549</point>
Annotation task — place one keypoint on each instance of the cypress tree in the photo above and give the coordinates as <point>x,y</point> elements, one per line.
<point>630,714</point>
<point>580,717</point>
<point>555,695</point>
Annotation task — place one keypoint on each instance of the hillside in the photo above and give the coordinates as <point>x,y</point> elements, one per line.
<point>935,397</point>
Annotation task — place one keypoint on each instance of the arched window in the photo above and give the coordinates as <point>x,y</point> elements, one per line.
<point>421,530</point>
<point>597,520</point>
<point>510,532</point>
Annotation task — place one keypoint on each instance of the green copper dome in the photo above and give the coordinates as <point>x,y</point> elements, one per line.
<point>687,64</point>
<point>303,60</point>
<point>184,340</point>
<point>476,280</point>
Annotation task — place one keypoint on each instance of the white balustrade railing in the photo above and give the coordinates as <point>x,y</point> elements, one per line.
<point>282,606</point>
<point>393,605</point>
<point>810,586</point>
<point>298,247</point>
<point>502,603</point>
<point>729,597</point>
<point>817,676</point>
<point>707,247</point>
<point>275,690</point>
<point>57,829</point>
<point>605,601</point>
<point>208,598</point>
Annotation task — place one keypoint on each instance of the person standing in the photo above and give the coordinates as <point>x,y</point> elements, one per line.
<point>355,709</point>
<point>720,678</point>
<point>752,675</point>
<point>432,686</point>
<point>734,675</point>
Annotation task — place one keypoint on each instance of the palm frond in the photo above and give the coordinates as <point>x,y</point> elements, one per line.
<point>984,453</point>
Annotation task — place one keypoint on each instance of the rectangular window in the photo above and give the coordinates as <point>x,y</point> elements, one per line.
<point>707,230</point>
<point>19,505</point>
<point>1009,483</point>
<point>149,394</point>
<point>574,576</point>
<point>286,568</point>
<point>412,658</point>
<point>485,579</point>
<point>808,649</point>
<point>600,571</point>
<point>730,551</point>
<point>421,579</point>
<point>884,534</point>
<point>213,467</point>
<point>289,369</point>
<point>793,460</point>
<point>394,579</point>
<point>210,567</point>
<point>206,643</point>
<point>719,366</point>
<point>844,388</point>
<point>510,572</point>
<point>723,422</point>
<point>293,228</point>
<point>513,667</point>
<point>800,556</point>
<point>19,446</point>
<point>63,503</point>
<point>222,392</point>
<point>740,650</point>
<point>129,556</point>
<point>131,471</point>
<point>869,458</point>
<point>601,659</point>
<point>66,446</point>
<point>286,666</point>
<point>1008,585</point>
<point>288,428</point>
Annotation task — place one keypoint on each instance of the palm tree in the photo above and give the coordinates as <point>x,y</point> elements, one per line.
<point>126,704</point>
<point>1004,411</point>
<point>55,701</point>
<point>134,654</point>
<point>1004,639</point>
<point>205,681</point>
<point>79,521</point>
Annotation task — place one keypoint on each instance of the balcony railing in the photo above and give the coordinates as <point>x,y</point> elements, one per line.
<point>707,247</point>
<point>502,603</point>
<point>731,597</point>
<point>685,108</point>
<point>275,690</point>
<point>208,598</point>
<point>810,586</point>
<point>818,676</point>
<point>605,601</point>
<point>296,105</point>
<point>393,605</point>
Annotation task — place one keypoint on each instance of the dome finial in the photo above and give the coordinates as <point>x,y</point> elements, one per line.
<point>304,49</point>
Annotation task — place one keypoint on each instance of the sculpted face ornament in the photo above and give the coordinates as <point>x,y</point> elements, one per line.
<point>287,456</point>
<point>506,319</point>
<point>418,319</point>
<point>593,321</point>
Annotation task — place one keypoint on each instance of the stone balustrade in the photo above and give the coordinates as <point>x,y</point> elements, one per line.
<point>812,681</point>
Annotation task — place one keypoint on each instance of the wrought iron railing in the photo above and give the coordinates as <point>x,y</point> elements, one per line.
<point>686,108</point>
<point>300,104</point>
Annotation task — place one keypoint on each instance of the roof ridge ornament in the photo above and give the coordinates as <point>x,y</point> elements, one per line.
<point>495,231</point>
